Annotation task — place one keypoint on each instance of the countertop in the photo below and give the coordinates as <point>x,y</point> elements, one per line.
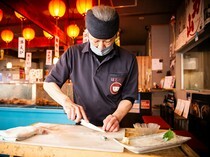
<point>41,150</point>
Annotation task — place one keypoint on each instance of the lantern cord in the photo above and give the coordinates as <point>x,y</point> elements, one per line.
<point>28,46</point>
<point>73,41</point>
<point>56,24</point>
<point>21,25</point>
<point>56,21</point>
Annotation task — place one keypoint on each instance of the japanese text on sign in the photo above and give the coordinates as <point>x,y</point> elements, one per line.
<point>21,47</point>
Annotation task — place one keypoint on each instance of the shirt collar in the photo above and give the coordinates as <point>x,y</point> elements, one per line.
<point>86,47</point>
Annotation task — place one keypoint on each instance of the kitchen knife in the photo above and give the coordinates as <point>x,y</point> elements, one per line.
<point>91,126</point>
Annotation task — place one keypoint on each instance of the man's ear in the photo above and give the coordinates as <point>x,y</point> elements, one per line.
<point>85,35</point>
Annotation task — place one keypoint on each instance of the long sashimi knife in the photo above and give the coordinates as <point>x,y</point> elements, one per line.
<point>91,126</point>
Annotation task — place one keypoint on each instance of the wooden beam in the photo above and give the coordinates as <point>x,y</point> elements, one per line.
<point>27,9</point>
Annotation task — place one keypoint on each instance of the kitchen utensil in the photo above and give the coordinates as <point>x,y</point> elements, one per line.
<point>91,126</point>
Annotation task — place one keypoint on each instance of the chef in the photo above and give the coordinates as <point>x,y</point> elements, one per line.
<point>104,75</point>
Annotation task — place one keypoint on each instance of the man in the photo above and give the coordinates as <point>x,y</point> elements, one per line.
<point>104,76</point>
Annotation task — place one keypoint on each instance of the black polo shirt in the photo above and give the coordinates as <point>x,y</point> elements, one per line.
<point>97,86</point>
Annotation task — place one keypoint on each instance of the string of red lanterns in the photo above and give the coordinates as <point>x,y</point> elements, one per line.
<point>57,9</point>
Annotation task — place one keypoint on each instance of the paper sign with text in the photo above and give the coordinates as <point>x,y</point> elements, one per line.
<point>56,46</point>
<point>48,57</point>
<point>21,47</point>
<point>28,59</point>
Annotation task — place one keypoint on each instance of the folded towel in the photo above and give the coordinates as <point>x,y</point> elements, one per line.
<point>21,133</point>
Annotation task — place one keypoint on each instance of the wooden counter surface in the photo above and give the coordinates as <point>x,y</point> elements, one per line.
<point>29,150</point>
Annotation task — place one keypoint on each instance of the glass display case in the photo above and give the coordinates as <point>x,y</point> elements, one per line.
<point>17,93</point>
<point>195,71</point>
<point>22,94</point>
<point>24,104</point>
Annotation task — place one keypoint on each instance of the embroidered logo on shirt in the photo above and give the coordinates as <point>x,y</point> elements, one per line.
<point>115,87</point>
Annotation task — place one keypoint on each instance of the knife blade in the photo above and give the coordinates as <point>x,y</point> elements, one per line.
<point>91,126</point>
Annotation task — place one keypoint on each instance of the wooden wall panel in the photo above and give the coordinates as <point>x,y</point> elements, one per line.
<point>145,72</point>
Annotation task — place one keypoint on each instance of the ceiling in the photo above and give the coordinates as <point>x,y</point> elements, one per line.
<point>135,17</point>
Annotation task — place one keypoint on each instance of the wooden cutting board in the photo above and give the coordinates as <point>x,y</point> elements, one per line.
<point>76,137</point>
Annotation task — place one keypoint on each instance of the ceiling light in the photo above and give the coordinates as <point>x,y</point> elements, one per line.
<point>9,65</point>
<point>47,35</point>
<point>21,17</point>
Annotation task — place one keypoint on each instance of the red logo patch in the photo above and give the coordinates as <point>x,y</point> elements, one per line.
<point>115,87</point>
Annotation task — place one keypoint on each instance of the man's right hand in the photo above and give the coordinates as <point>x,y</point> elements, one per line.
<point>75,112</point>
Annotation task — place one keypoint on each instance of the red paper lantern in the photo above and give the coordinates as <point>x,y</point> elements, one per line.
<point>7,35</point>
<point>73,31</point>
<point>28,33</point>
<point>57,8</point>
<point>83,6</point>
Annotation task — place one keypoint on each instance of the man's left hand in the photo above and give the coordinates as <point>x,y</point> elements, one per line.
<point>111,124</point>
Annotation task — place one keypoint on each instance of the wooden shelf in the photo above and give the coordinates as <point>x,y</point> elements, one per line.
<point>162,89</point>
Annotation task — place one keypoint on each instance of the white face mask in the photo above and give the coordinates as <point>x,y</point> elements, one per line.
<point>101,52</point>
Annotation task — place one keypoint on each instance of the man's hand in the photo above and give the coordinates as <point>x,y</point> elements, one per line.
<point>111,124</point>
<point>75,112</point>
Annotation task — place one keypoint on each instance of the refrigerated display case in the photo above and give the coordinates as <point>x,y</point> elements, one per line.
<point>23,104</point>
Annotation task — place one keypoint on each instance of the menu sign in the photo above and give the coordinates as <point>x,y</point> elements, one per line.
<point>21,47</point>
<point>56,46</point>
<point>49,57</point>
<point>182,107</point>
<point>28,59</point>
